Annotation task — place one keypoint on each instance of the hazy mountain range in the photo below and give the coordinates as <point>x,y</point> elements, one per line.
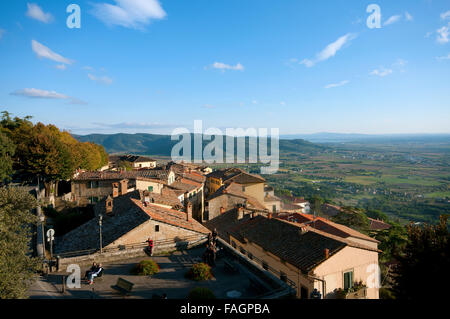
<point>154,144</point>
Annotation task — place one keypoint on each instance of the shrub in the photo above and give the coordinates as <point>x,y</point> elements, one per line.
<point>201,293</point>
<point>200,272</point>
<point>146,268</point>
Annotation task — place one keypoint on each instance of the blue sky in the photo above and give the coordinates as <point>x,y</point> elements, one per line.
<point>301,66</point>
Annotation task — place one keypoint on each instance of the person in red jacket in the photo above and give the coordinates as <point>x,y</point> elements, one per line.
<point>150,246</point>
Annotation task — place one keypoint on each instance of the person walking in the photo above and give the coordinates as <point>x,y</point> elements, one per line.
<point>150,246</point>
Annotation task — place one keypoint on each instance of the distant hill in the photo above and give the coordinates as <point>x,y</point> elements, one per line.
<point>153,144</point>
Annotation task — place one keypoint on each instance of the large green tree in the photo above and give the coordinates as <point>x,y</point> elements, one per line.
<point>17,267</point>
<point>45,151</point>
<point>423,265</point>
<point>7,149</point>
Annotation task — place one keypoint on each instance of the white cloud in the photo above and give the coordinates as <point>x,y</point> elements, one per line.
<point>134,14</point>
<point>43,52</point>
<point>283,103</point>
<point>443,34</point>
<point>400,63</point>
<point>445,15</point>
<point>329,51</point>
<point>408,17</point>
<point>103,79</point>
<point>40,94</point>
<point>61,67</point>
<point>209,106</point>
<point>43,94</point>
<point>440,58</point>
<point>89,68</point>
<point>35,12</point>
<point>335,85</point>
<point>392,20</point>
<point>382,72</point>
<point>223,66</point>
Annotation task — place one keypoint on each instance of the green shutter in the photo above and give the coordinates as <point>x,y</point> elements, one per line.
<point>348,280</point>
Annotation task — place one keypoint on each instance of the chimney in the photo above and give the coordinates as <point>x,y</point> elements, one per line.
<point>108,205</point>
<point>115,190</point>
<point>269,216</point>
<point>240,214</point>
<point>327,253</point>
<point>189,211</point>
<point>123,187</point>
<point>146,196</point>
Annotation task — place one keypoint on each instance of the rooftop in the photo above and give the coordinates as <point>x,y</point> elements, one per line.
<point>236,175</point>
<point>128,213</point>
<point>145,174</point>
<point>301,248</point>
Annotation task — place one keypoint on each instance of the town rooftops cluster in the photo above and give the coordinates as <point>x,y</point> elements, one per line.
<point>128,212</point>
<point>301,245</point>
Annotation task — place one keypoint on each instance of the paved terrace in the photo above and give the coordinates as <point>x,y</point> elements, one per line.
<point>169,280</point>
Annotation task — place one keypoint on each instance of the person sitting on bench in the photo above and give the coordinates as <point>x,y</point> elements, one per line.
<point>91,270</point>
<point>95,274</point>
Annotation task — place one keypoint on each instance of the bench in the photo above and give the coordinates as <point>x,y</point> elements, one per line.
<point>230,267</point>
<point>123,286</point>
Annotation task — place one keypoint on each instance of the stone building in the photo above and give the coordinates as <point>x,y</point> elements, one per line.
<point>131,219</point>
<point>91,187</point>
<point>330,259</point>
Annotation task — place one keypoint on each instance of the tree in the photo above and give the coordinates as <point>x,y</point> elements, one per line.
<point>352,218</point>
<point>125,165</point>
<point>47,152</point>
<point>7,150</point>
<point>422,270</point>
<point>17,268</point>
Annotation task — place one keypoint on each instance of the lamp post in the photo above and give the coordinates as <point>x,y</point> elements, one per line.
<point>100,219</point>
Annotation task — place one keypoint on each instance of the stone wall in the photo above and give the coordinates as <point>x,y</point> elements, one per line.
<point>117,255</point>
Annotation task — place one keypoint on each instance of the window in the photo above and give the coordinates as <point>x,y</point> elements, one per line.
<point>265,265</point>
<point>274,208</point>
<point>283,276</point>
<point>150,189</point>
<point>348,280</point>
<point>242,250</point>
<point>243,188</point>
<point>156,228</point>
<point>233,244</point>
<point>250,255</point>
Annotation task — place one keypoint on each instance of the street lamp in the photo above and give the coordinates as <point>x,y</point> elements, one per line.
<point>100,219</point>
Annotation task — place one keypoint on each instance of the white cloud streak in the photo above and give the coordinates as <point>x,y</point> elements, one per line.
<point>43,52</point>
<point>135,14</point>
<point>43,94</point>
<point>408,17</point>
<point>35,12</point>
<point>382,72</point>
<point>392,20</point>
<point>335,85</point>
<point>103,79</point>
<point>445,15</point>
<point>329,51</point>
<point>223,66</point>
<point>443,34</point>
<point>440,58</point>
